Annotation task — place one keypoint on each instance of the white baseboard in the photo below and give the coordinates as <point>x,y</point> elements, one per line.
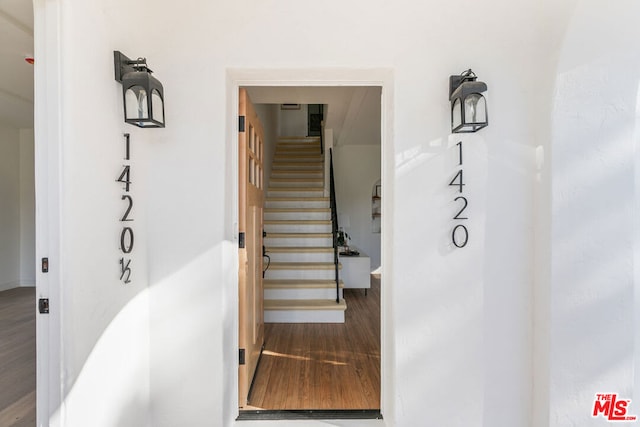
<point>9,285</point>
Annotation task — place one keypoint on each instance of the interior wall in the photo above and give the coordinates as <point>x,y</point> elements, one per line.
<point>27,209</point>
<point>9,208</point>
<point>294,122</point>
<point>357,168</point>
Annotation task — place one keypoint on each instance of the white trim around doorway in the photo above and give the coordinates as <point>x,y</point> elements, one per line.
<point>383,78</point>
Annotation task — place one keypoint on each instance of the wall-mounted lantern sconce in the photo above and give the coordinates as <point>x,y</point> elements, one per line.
<point>142,93</point>
<point>468,106</point>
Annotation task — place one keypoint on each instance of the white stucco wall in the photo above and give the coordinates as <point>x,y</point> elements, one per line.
<point>9,208</point>
<point>595,188</point>
<point>27,210</point>
<point>504,332</point>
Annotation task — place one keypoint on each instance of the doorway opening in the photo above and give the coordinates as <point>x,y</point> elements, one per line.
<point>294,364</point>
<point>17,216</point>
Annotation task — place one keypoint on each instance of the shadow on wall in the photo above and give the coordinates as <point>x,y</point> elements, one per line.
<point>147,351</point>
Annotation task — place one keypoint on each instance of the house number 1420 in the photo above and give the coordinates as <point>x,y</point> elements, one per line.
<point>460,234</point>
<point>126,234</point>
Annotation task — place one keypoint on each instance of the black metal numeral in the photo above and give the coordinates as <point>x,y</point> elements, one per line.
<point>125,177</point>
<point>125,271</point>
<point>460,181</point>
<point>126,147</point>
<point>126,235</point>
<point>126,240</point>
<point>460,233</point>
<point>455,234</point>
<point>125,217</point>
<point>464,206</point>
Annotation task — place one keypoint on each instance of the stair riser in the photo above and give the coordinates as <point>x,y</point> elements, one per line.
<point>300,256</point>
<point>294,174</point>
<point>300,274</point>
<point>297,241</point>
<point>301,293</point>
<point>302,151</point>
<point>293,203</point>
<point>299,144</point>
<point>290,166</point>
<point>298,150</point>
<point>304,316</point>
<point>297,228</point>
<point>298,193</point>
<point>297,157</point>
<point>297,215</point>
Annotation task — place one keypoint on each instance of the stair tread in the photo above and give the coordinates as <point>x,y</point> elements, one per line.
<point>284,149</point>
<point>299,155</point>
<point>272,210</point>
<point>301,171</point>
<point>292,283</point>
<point>283,161</point>
<point>302,235</point>
<point>298,221</point>
<point>294,199</point>
<point>297,180</point>
<point>304,304</point>
<point>315,189</point>
<point>303,265</point>
<point>304,249</point>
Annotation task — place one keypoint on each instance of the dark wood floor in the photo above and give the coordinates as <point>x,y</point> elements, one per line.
<point>18,358</point>
<point>304,366</point>
<point>323,366</point>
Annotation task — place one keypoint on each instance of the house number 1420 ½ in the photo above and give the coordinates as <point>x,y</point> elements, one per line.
<point>126,234</point>
<point>460,234</point>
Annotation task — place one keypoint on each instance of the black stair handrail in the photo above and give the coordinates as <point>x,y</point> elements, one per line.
<point>334,222</point>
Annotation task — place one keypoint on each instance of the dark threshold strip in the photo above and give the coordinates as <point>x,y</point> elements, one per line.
<point>320,414</point>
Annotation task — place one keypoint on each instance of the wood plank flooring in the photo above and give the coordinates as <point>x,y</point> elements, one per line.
<point>323,366</point>
<point>18,357</point>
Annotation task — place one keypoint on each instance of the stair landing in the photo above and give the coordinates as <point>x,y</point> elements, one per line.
<point>304,311</point>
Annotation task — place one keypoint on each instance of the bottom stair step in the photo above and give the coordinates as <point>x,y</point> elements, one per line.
<point>302,289</point>
<point>304,311</point>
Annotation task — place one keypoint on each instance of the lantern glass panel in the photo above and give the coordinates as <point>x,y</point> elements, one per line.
<point>456,114</point>
<point>475,109</point>
<point>136,103</point>
<point>157,106</point>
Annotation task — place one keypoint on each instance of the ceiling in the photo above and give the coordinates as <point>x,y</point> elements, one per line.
<point>353,112</point>
<point>16,75</point>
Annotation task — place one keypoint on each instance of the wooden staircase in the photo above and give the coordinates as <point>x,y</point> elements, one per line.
<point>299,285</point>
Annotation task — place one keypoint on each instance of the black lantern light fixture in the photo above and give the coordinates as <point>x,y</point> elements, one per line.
<point>468,106</point>
<point>142,93</point>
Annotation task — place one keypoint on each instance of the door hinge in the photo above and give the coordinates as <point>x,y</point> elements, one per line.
<point>241,356</point>
<point>43,305</point>
<point>45,265</point>
<point>241,243</point>
<point>241,124</point>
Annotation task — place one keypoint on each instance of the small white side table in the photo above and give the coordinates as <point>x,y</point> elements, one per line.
<point>356,271</point>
